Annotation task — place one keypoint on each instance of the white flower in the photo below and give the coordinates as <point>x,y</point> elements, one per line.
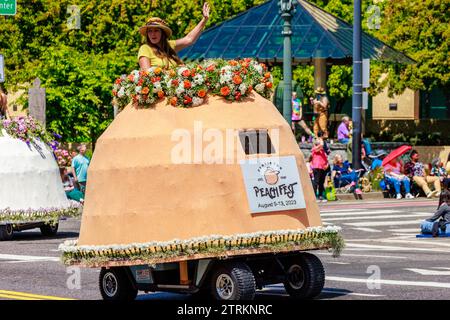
<point>226,78</point>
<point>180,90</point>
<point>198,79</point>
<point>157,86</point>
<point>197,101</point>
<point>138,89</point>
<point>260,87</point>
<point>243,88</point>
<point>121,92</point>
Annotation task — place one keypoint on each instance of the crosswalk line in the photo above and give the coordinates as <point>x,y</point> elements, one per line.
<point>358,213</point>
<point>367,230</point>
<point>26,258</point>
<point>371,247</point>
<point>391,216</point>
<point>391,282</point>
<point>383,223</point>
<point>343,210</point>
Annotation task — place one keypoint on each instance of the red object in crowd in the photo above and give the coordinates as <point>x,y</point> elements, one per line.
<point>395,154</point>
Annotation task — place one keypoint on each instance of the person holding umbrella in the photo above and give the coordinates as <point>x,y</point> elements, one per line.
<point>393,171</point>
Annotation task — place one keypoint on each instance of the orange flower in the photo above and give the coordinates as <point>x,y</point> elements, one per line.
<point>145,90</point>
<point>202,93</point>
<point>250,88</point>
<point>172,73</point>
<point>211,68</point>
<point>158,71</point>
<point>160,94</point>
<point>269,85</point>
<point>186,73</point>
<point>174,101</point>
<point>225,91</point>
<point>118,81</point>
<point>233,63</point>
<point>131,77</point>
<point>187,84</point>
<point>267,75</point>
<point>175,83</point>
<point>237,79</point>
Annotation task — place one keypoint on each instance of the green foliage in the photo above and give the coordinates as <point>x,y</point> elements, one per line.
<point>304,75</point>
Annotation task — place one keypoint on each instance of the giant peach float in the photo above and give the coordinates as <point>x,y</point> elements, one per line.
<point>214,198</point>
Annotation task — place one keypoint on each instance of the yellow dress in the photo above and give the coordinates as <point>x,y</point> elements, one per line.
<point>146,51</point>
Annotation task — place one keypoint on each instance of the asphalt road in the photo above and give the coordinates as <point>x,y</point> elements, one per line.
<point>383,259</point>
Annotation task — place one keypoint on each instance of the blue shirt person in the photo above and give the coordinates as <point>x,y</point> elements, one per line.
<point>80,164</point>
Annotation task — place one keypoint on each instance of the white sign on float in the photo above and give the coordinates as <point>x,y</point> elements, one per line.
<point>2,69</point>
<point>272,184</point>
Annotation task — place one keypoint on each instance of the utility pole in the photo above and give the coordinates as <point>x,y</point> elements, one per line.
<point>287,11</point>
<point>357,85</point>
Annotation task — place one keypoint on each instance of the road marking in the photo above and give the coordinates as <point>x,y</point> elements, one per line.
<point>357,246</point>
<point>342,210</point>
<point>390,216</point>
<point>426,272</point>
<point>352,293</point>
<point>336,262</point>
<point>362,255</point>
<point>392,282</point>
<point>27,258</point>
<point>367,229</point>
<point>6,296</point>
<point>30,296</point>
<point>405,230</point>
<point>383,223</point>
<point>434,243</point>
<point>279,292</point>
<point>359,213</point>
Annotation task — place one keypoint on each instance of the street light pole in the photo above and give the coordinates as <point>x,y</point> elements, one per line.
<point>286,10</point>
<point>357,86</point>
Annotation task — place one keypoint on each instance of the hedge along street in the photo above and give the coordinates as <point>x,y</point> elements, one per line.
<point>8,7</point>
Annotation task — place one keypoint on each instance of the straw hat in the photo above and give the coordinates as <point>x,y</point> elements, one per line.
<point>156,23</point>
<point>320,90</point>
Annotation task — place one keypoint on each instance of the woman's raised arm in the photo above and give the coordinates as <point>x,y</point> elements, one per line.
<point>192,36</point>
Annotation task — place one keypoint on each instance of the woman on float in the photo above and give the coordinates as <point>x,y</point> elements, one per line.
<point>159,51</point>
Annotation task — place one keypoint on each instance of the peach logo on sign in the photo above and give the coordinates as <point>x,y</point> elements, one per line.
<point>271,176</point>
<point>270,171</point>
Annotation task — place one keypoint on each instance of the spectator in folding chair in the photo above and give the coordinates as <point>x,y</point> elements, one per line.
<point>393,173</point>
<point>438,170</point>
<point>416,171</point>
<point>343,175</point>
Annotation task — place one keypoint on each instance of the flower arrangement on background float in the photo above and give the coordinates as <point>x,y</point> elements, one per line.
<point>189,85</point>
<point>25,129</point>
<point>186,86</point>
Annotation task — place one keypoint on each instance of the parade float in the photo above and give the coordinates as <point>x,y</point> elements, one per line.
<point>198,186</point>
<point>31,190</point>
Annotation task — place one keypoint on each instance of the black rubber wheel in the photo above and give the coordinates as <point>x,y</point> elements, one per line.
<point>305,276</point>
<point>6,232</point>
<point>49,230</point>
<point>233,281</point>
<point>116,286</point>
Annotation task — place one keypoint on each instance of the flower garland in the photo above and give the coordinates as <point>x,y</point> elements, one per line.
<point>25,129</point>
<point>144,88</point>
<point>188,85</point>
<point>151,252</point>
<point>40,215</point>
